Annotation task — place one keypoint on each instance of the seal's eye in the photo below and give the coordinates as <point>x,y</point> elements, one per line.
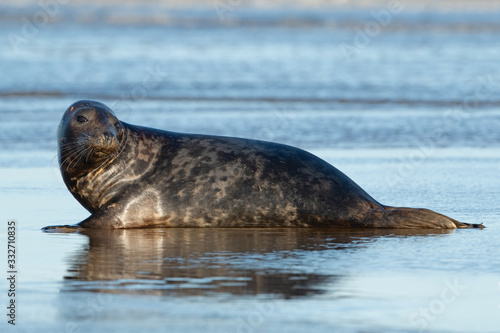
<point>118,126</point>
<point>81,119</point>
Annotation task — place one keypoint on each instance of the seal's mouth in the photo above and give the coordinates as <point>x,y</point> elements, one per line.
<point>104,153</point>
<point>105,149</point>
<point>101,154</point>
<point>104,145</point>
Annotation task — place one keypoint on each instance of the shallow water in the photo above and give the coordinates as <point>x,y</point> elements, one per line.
<point>291,279</point>
<point>412,118</point>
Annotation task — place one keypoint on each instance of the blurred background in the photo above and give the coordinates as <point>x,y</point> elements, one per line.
<point>316,74</point>
<point>401,95</point>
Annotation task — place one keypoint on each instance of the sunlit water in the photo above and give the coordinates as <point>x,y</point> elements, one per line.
<point>412,117</point>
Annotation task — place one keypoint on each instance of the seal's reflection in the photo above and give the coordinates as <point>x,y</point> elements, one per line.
<point>185,261</point>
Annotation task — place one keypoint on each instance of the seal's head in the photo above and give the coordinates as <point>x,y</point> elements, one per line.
<point>89,135</point>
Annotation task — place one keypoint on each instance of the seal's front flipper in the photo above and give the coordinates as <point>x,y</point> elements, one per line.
<point>61,228</point>
<point>102,219</point>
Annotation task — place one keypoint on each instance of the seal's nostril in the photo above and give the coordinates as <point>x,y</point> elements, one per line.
<point>107,135</point>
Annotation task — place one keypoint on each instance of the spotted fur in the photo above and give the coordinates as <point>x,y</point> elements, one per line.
<point>129,176</point>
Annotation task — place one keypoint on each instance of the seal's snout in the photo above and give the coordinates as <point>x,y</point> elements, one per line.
<point>108,138</point>
<point>106,142</point>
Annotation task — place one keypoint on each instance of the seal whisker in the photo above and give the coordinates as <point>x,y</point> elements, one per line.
<point>81,156</point>
<point>77,161</point>
<point>66,158</point>
<point>76,157</point>
<point>89,154</point>
<point>70,149</point>
<point>103,163</point>
<point>69,146</point>
<point>70,160</point>
<point>71,152</point>
<point>67,149</point>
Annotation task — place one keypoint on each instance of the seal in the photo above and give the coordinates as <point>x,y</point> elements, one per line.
<point>129,176</point>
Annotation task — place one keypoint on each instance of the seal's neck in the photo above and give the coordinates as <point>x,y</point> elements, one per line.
<point>89,180</point>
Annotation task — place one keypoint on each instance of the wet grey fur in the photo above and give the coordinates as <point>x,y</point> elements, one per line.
<point>149,177</point>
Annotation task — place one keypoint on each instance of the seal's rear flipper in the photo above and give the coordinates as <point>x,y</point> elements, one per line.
<point>402,217</point>
<point>461,225</point>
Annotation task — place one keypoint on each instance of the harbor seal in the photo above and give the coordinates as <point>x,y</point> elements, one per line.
<point>129,176</point>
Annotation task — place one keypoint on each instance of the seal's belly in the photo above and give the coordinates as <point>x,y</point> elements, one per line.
<point>218,200</point>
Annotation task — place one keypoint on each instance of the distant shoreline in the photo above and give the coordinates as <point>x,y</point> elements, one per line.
<point>416,5</point>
